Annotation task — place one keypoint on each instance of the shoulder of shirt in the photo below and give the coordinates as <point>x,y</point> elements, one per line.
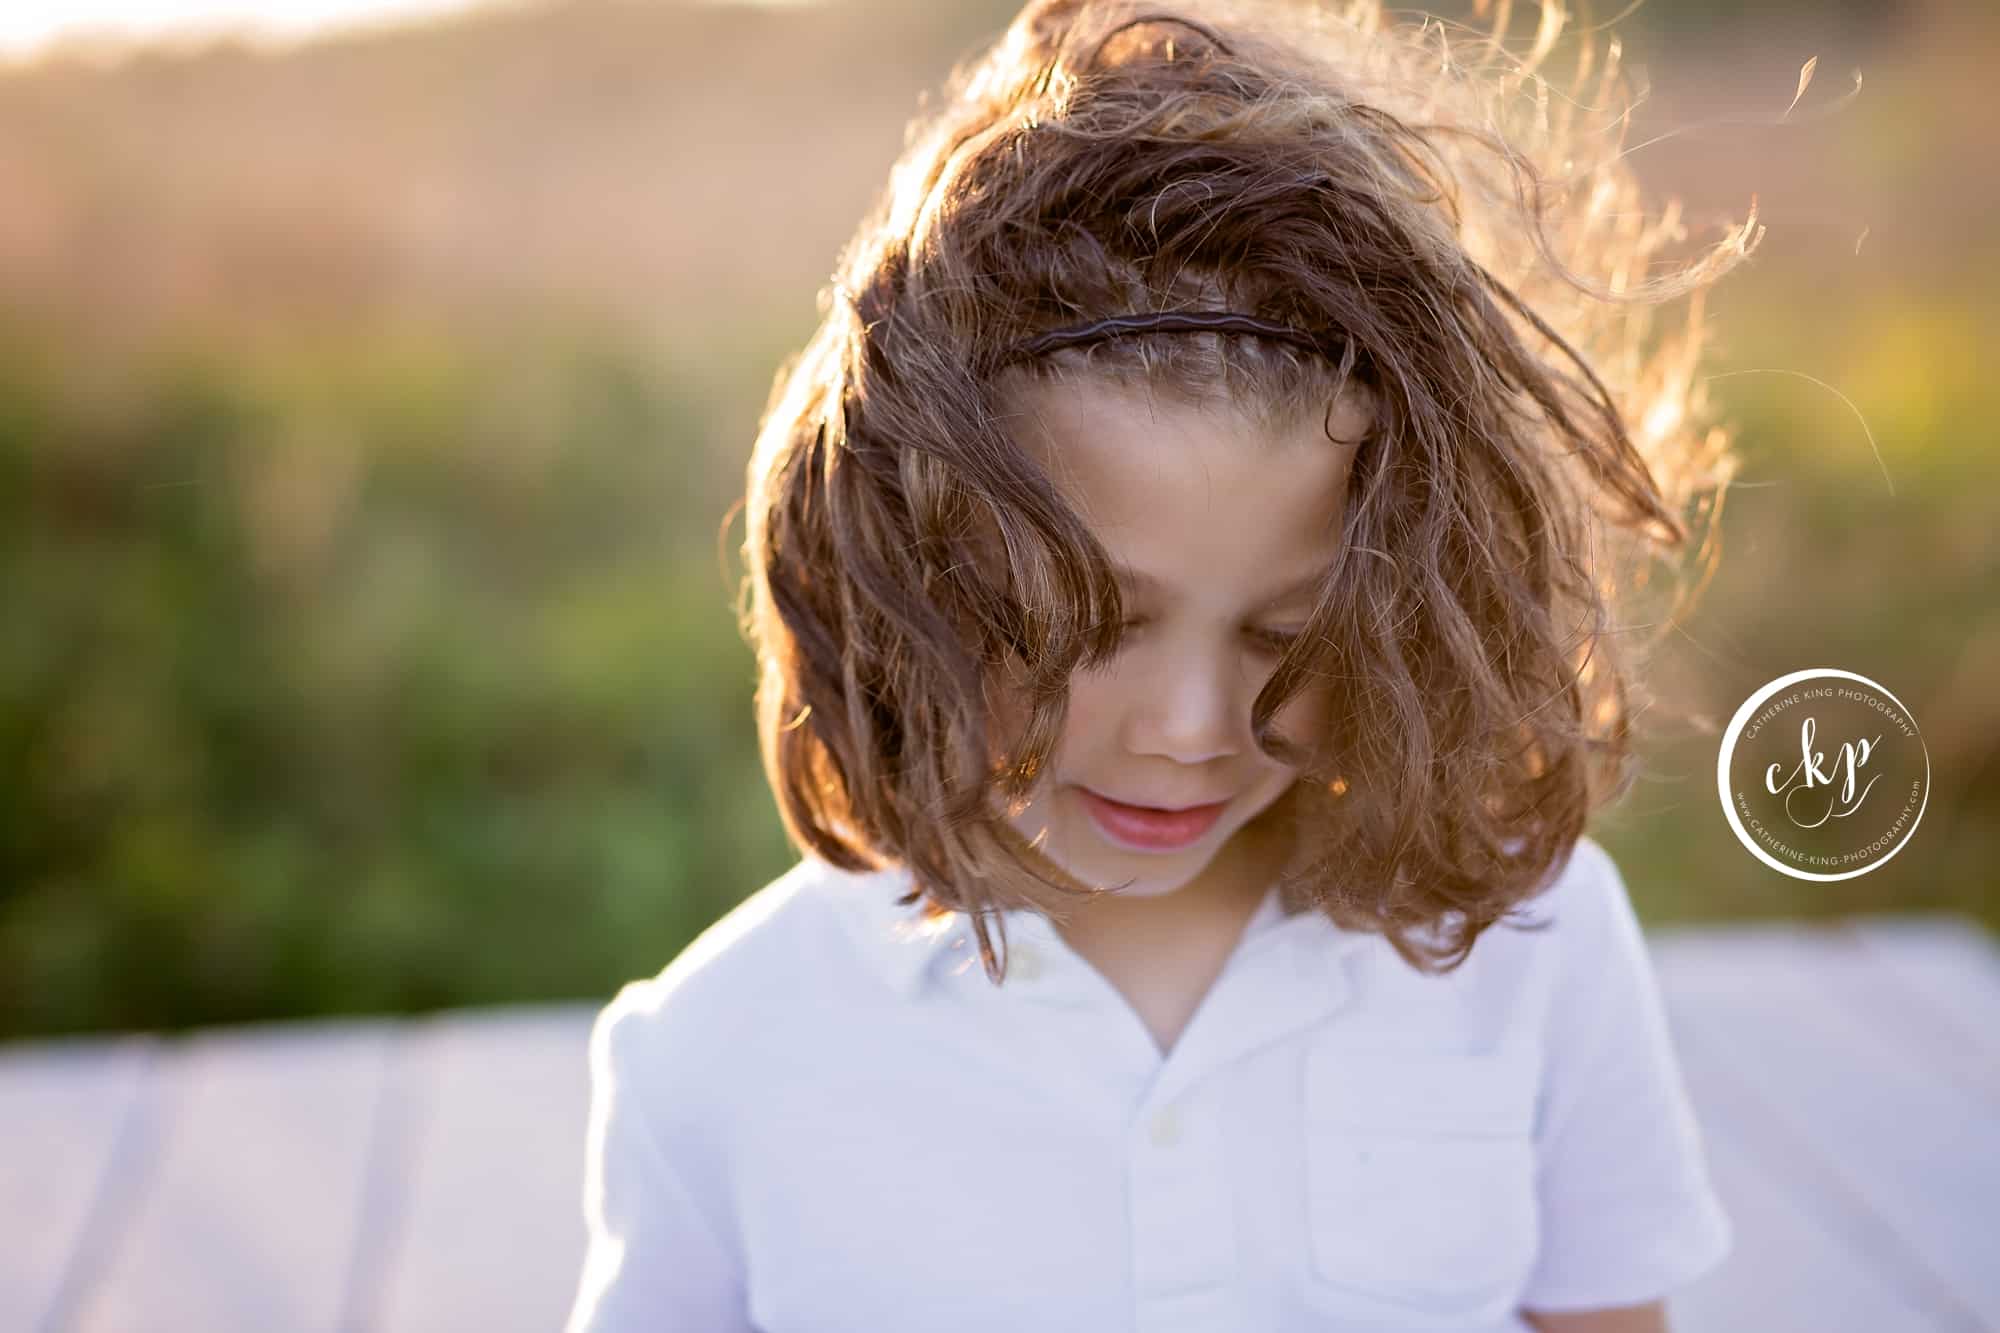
<point>1560,938</point>
<point>1586,881</point>
<point>1585,894</point>
<point>742,973</point>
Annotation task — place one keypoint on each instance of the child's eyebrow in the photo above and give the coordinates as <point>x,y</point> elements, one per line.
<point>1138,580</point>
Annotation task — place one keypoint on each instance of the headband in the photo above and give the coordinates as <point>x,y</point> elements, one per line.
<point>1202,321</point>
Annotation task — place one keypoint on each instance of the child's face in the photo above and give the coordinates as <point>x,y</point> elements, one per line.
<point>1230,527</point>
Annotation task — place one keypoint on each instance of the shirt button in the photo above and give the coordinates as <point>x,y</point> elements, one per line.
<point>1166,1128</point>
<point>1024,961</point>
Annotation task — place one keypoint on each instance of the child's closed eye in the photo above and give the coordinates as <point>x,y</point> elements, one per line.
<point>1275,640</point>
<point>1280,640</point>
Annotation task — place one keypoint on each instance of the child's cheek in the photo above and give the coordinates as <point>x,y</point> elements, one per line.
<point>1005,718</point>
<point>1008,712</point>
<point>1305,717</point>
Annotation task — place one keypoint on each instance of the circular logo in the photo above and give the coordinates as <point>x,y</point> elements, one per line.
<point>1823,774</point>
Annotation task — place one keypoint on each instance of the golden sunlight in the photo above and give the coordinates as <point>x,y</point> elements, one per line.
<point>30,29</point>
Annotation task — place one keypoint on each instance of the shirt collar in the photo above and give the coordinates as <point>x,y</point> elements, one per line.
<point>905,950</point>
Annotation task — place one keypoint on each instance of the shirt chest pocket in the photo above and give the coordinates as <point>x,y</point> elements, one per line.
<point>1420,1179</point>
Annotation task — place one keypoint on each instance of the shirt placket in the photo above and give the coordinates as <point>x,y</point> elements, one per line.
<point>1183,1217</point>
<point>1181,1198</point>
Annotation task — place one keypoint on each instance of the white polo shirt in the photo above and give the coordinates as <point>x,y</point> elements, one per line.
<point>818,1119</point>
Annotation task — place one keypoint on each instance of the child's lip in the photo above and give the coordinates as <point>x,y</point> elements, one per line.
<point>1151,829</point>
<point>1152,805</point>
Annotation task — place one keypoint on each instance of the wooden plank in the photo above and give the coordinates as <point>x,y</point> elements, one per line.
<point>1886,1134</point>
<point>1947,969</point>
<point>1800,1259</point>
<point>493,1236</point>
<point>246,1215</point>
<point>67,1160</point>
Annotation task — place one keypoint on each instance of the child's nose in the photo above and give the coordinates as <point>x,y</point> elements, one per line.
<point>1190,712</point>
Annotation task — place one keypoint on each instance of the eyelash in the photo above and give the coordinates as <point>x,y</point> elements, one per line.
<point>1278,641</point>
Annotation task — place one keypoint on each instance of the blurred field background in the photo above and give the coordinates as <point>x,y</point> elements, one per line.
<point>372,410</point>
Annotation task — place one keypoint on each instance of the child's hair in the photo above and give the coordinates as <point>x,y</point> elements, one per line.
<point>1468,247</point>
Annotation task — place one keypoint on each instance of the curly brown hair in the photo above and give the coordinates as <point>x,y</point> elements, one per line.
<point>1475,246</point>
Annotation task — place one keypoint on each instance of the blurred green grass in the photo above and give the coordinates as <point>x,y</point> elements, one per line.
<point>373,683</point>
<point>1881,560</point>
<point>366,465</point>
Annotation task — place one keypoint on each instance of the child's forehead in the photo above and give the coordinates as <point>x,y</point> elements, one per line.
<point>1165,481</point>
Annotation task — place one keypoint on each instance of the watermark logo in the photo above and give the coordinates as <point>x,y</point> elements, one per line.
<point>1823,774</point>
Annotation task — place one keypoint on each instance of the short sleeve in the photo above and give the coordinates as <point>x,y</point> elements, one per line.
<point>655,1259</point>
<point>1628,1210</point>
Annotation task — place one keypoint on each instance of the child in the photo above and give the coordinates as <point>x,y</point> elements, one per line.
<point>1180,571</point>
